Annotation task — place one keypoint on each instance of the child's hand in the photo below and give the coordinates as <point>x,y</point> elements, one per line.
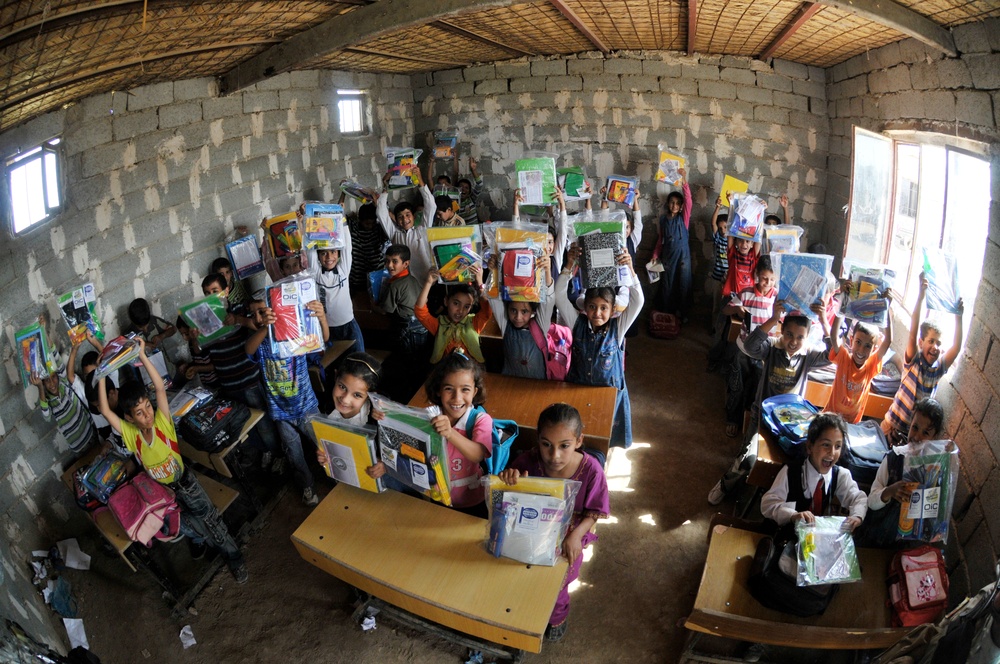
<point>495,262</point>
<point>604,192</point>
<point>190,373</point>
<point>682,172</point>
<point>385,179</point>
<point>316,307</point>
<point>477,273</point>
<point>625,258</point>
<point>432,275</point>
<point>473,164</point>
<point>719,202</point>
<point>923,283</point>
<point>518,198</point>
<point>376,471</point>
<point>268,315</point>
<point>897,491</point>
<point>142,346</point>
<point>377,414</point>
<point>35,379</point>
<point>442,425</point>
<point>779,306</point>
<point>509,476</point>
<point>91,338</point>
<point>850,523</point>
<point>587,188</point>
<point>806,516</point>
<point>574,254</point>
<point>783,201</point>
<point>322,457</point>
<point>573,546</point>
<point>960,309</point>
<point>818,309</point>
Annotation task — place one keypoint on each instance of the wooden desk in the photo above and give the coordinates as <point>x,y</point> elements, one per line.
<point>524,399</point>
<point>217,460</point>
<point>336,349</point>
<point>857,618</point>
<point>430,561</point>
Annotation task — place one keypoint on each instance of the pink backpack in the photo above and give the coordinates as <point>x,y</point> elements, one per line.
<point>556,347</point>
<point>146,510</point>
<point>918,586</point>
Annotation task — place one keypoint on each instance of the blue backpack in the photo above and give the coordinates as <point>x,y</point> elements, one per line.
<point>504,434</point>
<point>787,416</point>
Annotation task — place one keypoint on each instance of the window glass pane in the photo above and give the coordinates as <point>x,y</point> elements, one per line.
<point>871,188</point>
<point>51,181</point>
<point>350,116</point>
<point>966,219</point>
<point>930,213</point>
<point>27,202</point>
<point>905,219</point>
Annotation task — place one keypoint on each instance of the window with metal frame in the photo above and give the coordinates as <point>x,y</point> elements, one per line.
<point>34,185</point>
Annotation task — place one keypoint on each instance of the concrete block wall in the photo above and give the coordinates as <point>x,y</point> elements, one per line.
<point>909,86</point>
<point>155,179</point>
<point>761,123</point>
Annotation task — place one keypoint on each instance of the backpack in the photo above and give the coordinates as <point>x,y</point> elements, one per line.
<point>918,586</point>
<point>864,448</point>
<point>504,434</point>
<point>103,476</point>
<point>84,500</point>
<point>663,325</point>
<point>146,510</point>
<point>772,579</point>
<point>787,416</point>
<point>214,425</point>
<point>556,348</point>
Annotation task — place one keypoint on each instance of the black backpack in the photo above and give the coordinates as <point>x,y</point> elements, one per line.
<point>214,425</point>
<point>773,588</point>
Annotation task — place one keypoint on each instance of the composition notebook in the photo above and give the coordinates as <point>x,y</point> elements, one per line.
<point>412,451</point>
<point>350,450</point>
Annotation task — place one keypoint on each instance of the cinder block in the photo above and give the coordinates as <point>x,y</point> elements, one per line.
<point>602,82</point>
<point>887,56</point>
<point>809,88</point>
<point>971,38</point>
<point>660,68</point>
<point>838,72</point>
<point>819,106</point>
<point>977,344</point>
<point>480,73</point>
<point>736,62</point>
<point>701,72</point>
<point>974,390</point>
<point>975,108</point>
<point>308,78</point>
<point>266,100</point>
<point>991,423</point>
<point>460,90</point>
<point>954,73</point>
<point>493,86</point>
<point>878,81</point>
<point>513,69</point>
<point>220,107</point>
<point>924,76</point>
<point>150,96</point>
<point>797,102</point>
<point>448,76</point>
<point>548,68</point>
<point>195,88</point>
<point>770,114</point>
<point>774,82</point>
<point>530,84</point>
<point>584,67</point>
<point>817,74</point>
<point>855,87</point>
<point>789,68</point>
<point>977,457</point>
<point>898,78</point>
<point>755,95</point>
<point>717,89</point>
<point>743,77</point>
<point>622,66</point>
<point>640,83</point>
<point>86,135</point>
<point>990,500</point>
<point>130,125</point>
<point>985,70</point>
<point>682,86</point>
<point>180,114</point>
<point>939,105</point>
<point>276,82</point>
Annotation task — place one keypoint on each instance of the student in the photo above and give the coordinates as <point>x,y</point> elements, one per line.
<point>921,370</point>
<point>889,491</point>
<point>470,194</point>
<point>805,488</point>
<point>522,356</point>
<point>559,454</point>
<point>152,328</point>
<point>754,306</point>
<point>237,293</point>
<point>447,212</point>
<point>857,366</point>
<point>290,396</point>
<point>599,340</point>
<point>773,220</point>
<point>148,433</point>
<point>742,256</point>
<point>720,267</point>
<point>403,231</point>
<point>457,328</point>
<point>201,359</point>
<point>674,252</point>
<point>368,242</point>
<point>557,231</point>
<point>333,286</point>
<point>787,363</point>
<point>399,297</point>
<point>65,401</point>
<point>633,238</point>
<point>356,377</point>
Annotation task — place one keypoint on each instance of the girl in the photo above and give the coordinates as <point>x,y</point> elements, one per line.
<point>356,376</point>
<point>521,353</point>
<point>888,490</point>
<point>457,328</point>
<point>559,454</point>
<point>673,250</point>
<point>599,340</point>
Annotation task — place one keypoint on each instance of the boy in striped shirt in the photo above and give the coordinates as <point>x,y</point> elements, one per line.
<point>720,249</point>
<point>921,370</point>
<point>64,400</point>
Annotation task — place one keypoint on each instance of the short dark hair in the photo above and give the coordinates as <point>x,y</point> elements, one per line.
<point>603,293</point>
<point>466,181</point>
<point>675,194</point>
<point>129,396</point>
<point>453,362</point>
<point>932,410</point>
<point>182,324</point>
<point>220,264</point>
<point>796,319</point>
<point>366,212</point>
<point>722,217</point>
<point>90,357</point>
<point>772,219</point>
<point>561,413</point>
<point>462,289</point>
<point>444,202</point>
<point>138,312</point>
<point>362,366</point>
<point>821,423</point>
<point>214,278</point>
<point>444,178</point>
<point>404,205</point>
<point>90,390</point>
<point>401,251</point>
<point>763,265</point>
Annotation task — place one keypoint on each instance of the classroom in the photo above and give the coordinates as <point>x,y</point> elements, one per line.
<point>174,125</point>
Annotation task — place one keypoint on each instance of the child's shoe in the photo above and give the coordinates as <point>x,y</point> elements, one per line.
<point>266,459</point>
<point>717,494</point>
<point>556,632</point>
<point>309,497</point>
<point>197,549</point>
<point>240,573</point>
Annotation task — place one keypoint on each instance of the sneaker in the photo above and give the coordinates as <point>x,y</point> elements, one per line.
<point>240,573</point>
<point>717,494</point>
<point>278,466</point>
<point>555,633</point>
<point>309,497</point>
<point>266,459</point>
<point>732,430</point>
<point>754,653</point>
<point>197,550</point>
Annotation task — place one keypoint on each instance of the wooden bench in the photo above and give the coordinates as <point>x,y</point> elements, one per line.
<point>524,399</point>
<point>857,618</point>
<point>429,561</point>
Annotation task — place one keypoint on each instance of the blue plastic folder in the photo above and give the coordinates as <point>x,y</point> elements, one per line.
<point>801,280</point>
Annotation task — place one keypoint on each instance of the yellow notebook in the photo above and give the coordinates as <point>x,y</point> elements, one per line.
<point>669,165</point>
<point>731,185</point>
<point>349,450</point>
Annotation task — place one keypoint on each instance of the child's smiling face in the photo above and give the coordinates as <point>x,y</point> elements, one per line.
<point>405,219</point>
<point>458,307</point>
<point>930,346</point>
<point>214,288</point>
<point>519,314</point>
<point>395,265</point>
<point>328,258</point>
<point>862,345</point>
<point>921,429</point>
<point>765,281</point>
<point>349,395</point>
<point>823,453</point>
<point>598,311</point>
<point>458,390</point>
<point>793,336</point>
<point>743,246</point>
<point>227,272</point>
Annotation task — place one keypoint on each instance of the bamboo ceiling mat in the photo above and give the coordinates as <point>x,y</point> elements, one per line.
<point>832,36</point>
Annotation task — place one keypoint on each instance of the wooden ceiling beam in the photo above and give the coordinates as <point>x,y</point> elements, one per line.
<point>901,19</point>
<point>805,12</point>
<point>584,29</point>
<point>468,34</point>
<point>401,56</point>
<point>692,34</point>
<point>349,29</point>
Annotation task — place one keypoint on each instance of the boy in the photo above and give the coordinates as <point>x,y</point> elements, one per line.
<point>367,244</point>
<point>720,249</point>
<point>921,370</point>
<point>65,401</point>
<point>787,363</point>
<point>754,306</point>
<point>152,328</point>
<point>237,294</point>
<point>403,231</point>
<point>399,296</point>
<point>148,433</point>
<point>857,366</point>
<point>290,396</point>
<point>332,284</point>
<point>201,359</point>
<point>457,329</point>
<point>470,194</point>
<point>773,220</point>
<point>447,212</point>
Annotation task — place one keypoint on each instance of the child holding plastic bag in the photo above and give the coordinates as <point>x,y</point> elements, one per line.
<point>457,328</point>
<point>560,455</point>
<point>674,251</point>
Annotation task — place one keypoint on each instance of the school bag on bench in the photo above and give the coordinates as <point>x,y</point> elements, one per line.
<point>663,325</point>
<point>556,347</point>
<point>504,434</point>
<point>918,586</point>
<point>146,510</point>
<point>787,416</point>
<point>772,579</point>
<point>214,425</point>
<point>101,478</point>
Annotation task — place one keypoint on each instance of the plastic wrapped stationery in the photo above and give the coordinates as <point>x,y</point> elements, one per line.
<point>117,353</point>
<point>376,279</point>
<point>621,189</point>
<point>670,165</point>
<point>362,195</point>
<point>782,239</point>
<point>403,167</point>
<point>826,553</point>
<point>455,250</point>
<point>931,472</point>
<point>33,352</point>
<point>454,193</point>
<point>349,451</point>
<point>801,280</point>
<point>573,181</point>
<point>529,521</point>
<point>244,256</point>
<point>159,361</point>
<point>601,241</point>
<point>730,186</point>
<point>746,217</point>
<point>296,331</point>
<point>322,225</point>
<point>187,400</point>
<point>79,309</point>
<point>941,270</point>
<point>536,177</point>
<point>519,273</point>
<point>208,316</point>
<point>444,144</point>
<point>412,451</point>
<point>282,249</point>
<point>865,298</point>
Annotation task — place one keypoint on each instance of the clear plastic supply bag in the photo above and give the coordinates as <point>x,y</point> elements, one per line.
<point>529,521</point>
<point>536,178</point>
<point>412,451</point>
<point>930,469</point>
<point>455,250</point>
<point>865,298</point>
<point>117,353</point>
<point>601,242</point>
<point>208,316</point>
<point>826,553</point>
<point>941,270</point>
<point>782,239</point>
<point>296,331</point>
<point>244,256</point>
<point>518,272</point>
<point>801,280</point>
<point>670,165</point>
<point>621,189</point>
<point>403,167</point>
<point>350,451</point>
<point>79,309</point>
<point>746,217</point>
<point>322,225</point>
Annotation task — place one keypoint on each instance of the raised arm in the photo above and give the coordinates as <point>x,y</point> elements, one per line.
<point>102,405</point>
<point>162,402</point>
<point>382,209</point>
<point>835,337</point>
<point>911,341</point>
<point>887,335</point>
<point>71,363</point>
<point>688,203</point>
<point>430,207</point>
<point>783,201</point>
<point>952,354</point>
<point>635,298</point>
<point>715,214</point>
<point>563,305</point>
<point>517,205</point>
